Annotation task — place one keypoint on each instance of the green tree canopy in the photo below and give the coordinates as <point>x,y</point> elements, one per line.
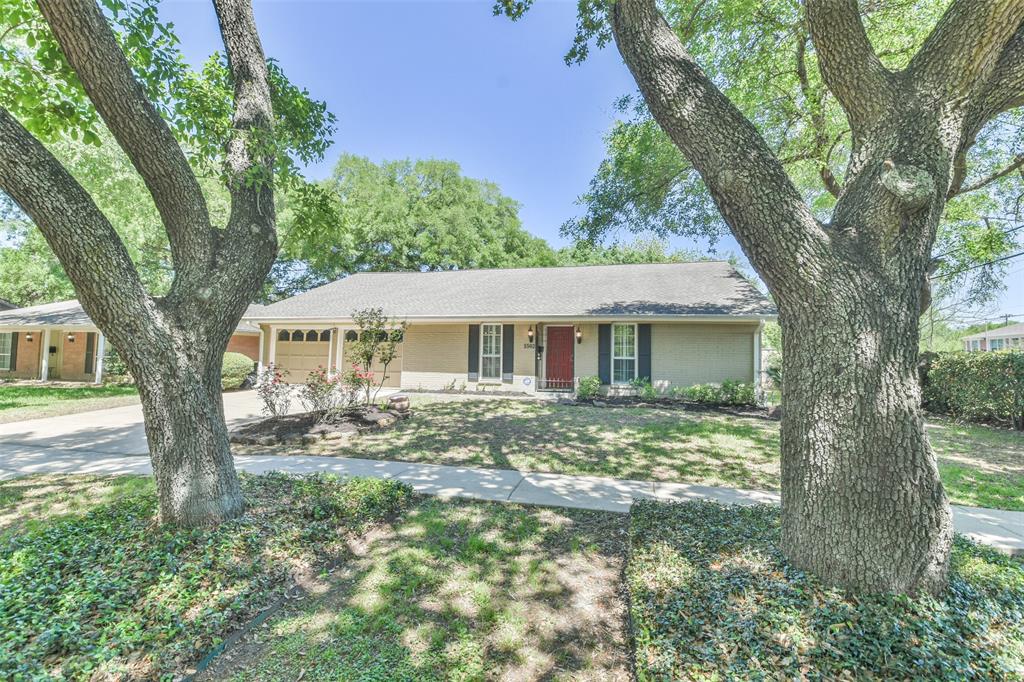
<point>404,215</point>
<point>760,54</point>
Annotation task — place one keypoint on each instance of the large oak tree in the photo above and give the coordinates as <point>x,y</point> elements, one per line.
<point>862,505</point>
<point>171,343</point>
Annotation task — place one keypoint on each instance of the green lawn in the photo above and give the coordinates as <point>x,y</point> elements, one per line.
<point>92,588</point>
<point>381,585</point>
<point>21,401</point>
<point>458,591</point>
<point>980,466</point>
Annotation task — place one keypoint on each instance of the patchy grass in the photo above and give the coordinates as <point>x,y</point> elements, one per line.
<point>92,588</point>
<point>711,597</point>
<point>639,443</point>
<point>20,401</point>
<point>980,465</point>
<point>458,591</point>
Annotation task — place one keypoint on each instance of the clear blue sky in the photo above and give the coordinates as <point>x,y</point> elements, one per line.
<point>426,78</point>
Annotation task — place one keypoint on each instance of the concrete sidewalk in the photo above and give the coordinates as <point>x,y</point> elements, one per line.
<point>1001,529</point>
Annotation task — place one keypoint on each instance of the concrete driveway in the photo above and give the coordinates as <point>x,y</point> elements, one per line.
<point>91,437</point>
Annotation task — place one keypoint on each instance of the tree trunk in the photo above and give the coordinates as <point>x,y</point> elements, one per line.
<point>188,441</point>
<point>862,504</point>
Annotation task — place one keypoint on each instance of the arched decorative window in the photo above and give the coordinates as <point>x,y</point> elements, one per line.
<point>312,335</point>
<point>351,335</point>
<point>298,335</point>
<point>283,335</point>
<point>325,335</point>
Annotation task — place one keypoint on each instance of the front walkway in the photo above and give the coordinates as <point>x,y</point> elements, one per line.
<point>1001,529</point>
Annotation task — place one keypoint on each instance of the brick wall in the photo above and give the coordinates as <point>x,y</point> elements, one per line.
<point>28,358</point>
<point>246,344</point>
<point>73,360</point>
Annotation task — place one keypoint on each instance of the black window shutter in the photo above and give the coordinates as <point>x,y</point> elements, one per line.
<point>90,351</point>
<point>604,353</point>
<point>474,352</point>
<point>508,350</point>
<point>14,351</point>
<point>643,355</point>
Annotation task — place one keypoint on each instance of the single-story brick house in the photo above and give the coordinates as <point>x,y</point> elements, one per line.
<point>74,346</point>
<point>529,329</point>
<point>1010,337</point>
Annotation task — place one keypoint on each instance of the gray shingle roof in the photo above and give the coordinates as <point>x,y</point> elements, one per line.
<point>662,290</point>
<point>6,305</point>
<point>71,314</point>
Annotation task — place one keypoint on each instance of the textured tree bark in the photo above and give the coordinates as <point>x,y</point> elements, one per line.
<point>188,441</point>
<point>172,345</point>
<point>862,503</point>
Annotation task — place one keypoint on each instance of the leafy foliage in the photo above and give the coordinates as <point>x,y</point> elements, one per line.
<point>588,387</point>
<point>234,370</point>
<point>273,390</point>
<point>987,387</point>
<point>712,597</point>
<point>729,392</point>
<point>376,346</point>
<point>405,215</point>
<point>108,593</point>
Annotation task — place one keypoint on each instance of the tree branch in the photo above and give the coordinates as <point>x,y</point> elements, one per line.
<point>851,69</point>
<point>960,54</point>
<point>91,49</point>
<point>1018,162</point>
<point>84,241</point>
<point>249,244</point>
<point>814,104</point>
<point>750,187</point>
<point>1005,87</point>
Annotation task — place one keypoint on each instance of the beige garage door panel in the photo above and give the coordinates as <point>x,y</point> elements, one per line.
<point>300,358</point>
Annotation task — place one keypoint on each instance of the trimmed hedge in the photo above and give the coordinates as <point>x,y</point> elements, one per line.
<point>711,597</point>
<point>234,370</point>
<point>983,387</point>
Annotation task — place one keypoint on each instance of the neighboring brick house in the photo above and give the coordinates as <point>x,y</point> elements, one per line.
<point>1003,338</point>
<point>74,347</point>
<point>528,329</point>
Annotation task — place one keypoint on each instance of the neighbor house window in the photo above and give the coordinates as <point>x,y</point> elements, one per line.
<point>623,353</point>
<point>976,345</point>
<point>5,351</point>
<point>490,351</point>
<point>996,344</point>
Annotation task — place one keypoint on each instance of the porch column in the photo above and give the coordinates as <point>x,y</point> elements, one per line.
<point>330,352</point>
<point>259,355</point>
<point>757,358</point>
<point>339,349</point>
<point>101,349</point>
<point>44,361</point>
<point>273,346</point>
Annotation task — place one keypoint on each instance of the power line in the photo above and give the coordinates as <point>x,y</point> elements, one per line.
<point>979,265</point>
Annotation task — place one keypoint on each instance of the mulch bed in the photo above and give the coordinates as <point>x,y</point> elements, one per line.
<point>676,404</point>
<point>306,427</point>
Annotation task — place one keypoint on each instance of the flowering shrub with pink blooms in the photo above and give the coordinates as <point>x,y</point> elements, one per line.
<point>325,393</point>
<point>273,391</point>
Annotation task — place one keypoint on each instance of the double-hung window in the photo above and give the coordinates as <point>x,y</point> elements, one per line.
<point>623,353</point>
<point>490,351</point>
<point>5,350</point>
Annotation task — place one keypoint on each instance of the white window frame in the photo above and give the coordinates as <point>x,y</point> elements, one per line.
<point>5,358</point>
<point>975,344</point>
<point>993,342</point>
<point>500,353</point>
<point>636,352</point>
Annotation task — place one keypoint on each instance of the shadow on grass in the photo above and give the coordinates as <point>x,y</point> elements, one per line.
<point>636,443</point>
<point>461,590</point>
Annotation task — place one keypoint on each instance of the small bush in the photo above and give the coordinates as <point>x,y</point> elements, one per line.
<point>235,368</point>
<point>712,597</point>
<point>983,387</point>
<point>644,388</point>
<point>588,387</point>
<point>273,391</point>
<point>730,392</point>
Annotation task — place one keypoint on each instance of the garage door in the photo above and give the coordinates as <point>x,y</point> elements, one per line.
<point>303,352</point>
<point>393,379</point>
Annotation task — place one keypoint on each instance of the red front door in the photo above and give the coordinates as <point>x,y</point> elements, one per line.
<point>559,358</point>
